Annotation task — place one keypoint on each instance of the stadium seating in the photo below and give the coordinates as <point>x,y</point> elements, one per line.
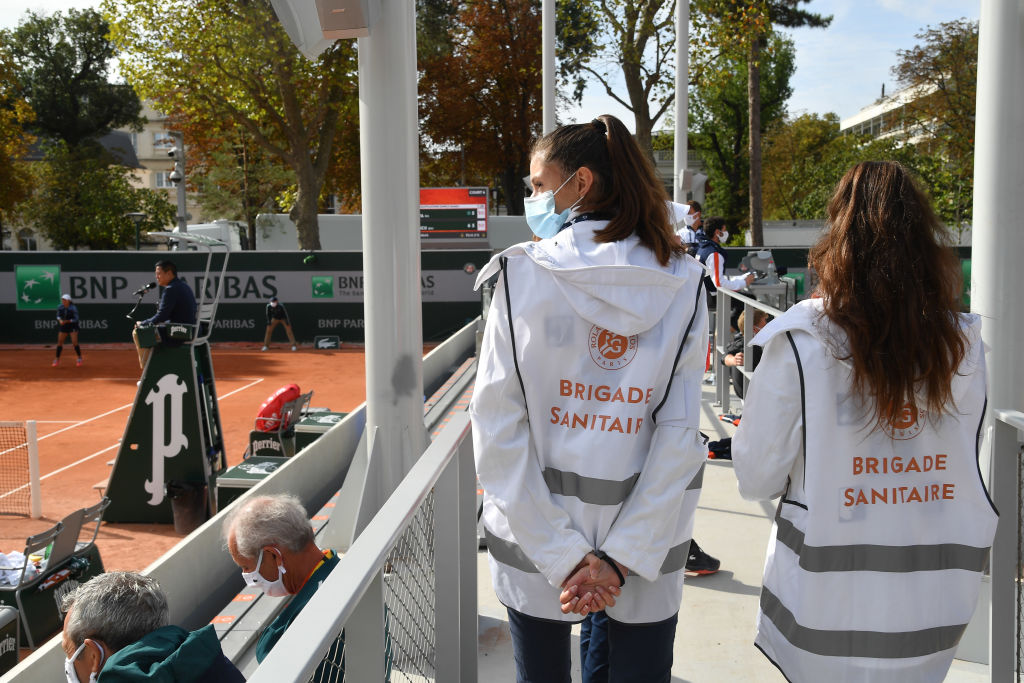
<point>71,561</point>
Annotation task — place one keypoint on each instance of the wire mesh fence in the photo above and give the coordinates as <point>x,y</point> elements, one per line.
<point>409,607</point>
<point>18,472</point>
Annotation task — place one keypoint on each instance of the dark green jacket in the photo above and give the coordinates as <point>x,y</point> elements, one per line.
<point>171,654</point>
<point>271,634</point>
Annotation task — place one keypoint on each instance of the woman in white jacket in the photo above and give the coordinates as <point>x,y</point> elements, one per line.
<point>864,416</point>
<point>586,408</point>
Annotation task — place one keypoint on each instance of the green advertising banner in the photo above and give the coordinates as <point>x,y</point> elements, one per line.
<point>37,288</point>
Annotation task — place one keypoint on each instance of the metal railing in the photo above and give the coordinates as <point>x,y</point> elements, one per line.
<point>1007,609</point>
<point>723,336</point>
<point>401,604</point>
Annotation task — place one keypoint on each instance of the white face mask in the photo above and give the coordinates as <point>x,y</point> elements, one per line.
<point>690,218</point>
<point>274,589</point>
<point>69,664</point>
<point>723,236</point>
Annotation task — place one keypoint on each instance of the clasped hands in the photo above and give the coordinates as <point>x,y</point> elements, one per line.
<point>591,586</point>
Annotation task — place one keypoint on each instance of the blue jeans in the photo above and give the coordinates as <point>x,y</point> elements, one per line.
<point>634,653</point>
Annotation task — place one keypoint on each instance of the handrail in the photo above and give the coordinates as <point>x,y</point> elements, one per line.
<point>301,648</point>
<point>723,337</point>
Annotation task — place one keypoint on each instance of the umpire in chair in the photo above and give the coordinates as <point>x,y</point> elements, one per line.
<point>177,305</point>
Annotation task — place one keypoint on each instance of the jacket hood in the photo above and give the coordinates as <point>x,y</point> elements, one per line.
<point>704,240</point>
<point>809,316</point>
<point>167,654</point>
<point>619,286</point>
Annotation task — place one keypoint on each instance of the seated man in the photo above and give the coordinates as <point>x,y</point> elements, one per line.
<point>115,629</point>
<point>271,540</point>
<point>733,357</point>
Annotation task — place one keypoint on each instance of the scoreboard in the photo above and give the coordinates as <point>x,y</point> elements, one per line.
<point>453,213</point>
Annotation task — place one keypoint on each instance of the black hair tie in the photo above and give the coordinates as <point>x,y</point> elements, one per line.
<point>600,125</point>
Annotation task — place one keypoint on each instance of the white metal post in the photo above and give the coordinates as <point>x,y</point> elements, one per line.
<point>547,20</point>
<point>997,279</point>
<point>391,242</point>
<point>468,625</point>
<point>682,81</point>
<point>35,499</point>
<point>1002,634</point>
<point>365,637</point>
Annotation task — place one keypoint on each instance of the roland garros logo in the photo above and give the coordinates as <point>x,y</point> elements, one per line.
<point>609,350</point>
<point>907,425</point>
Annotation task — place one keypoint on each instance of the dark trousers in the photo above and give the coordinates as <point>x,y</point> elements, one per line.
<point>616,652</point>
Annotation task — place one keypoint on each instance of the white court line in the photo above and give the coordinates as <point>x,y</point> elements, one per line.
<point>129,405</point>
<point>98,453</point>
<point>66,467</point>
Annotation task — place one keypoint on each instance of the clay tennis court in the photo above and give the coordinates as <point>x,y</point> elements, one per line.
<point>81,414</point>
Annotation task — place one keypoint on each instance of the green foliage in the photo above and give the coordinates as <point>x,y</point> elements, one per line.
<point>943,68</point>
<point>480,89</point>
<point>221,64</point>
<point>719,121</point>
<point>63,65</point>
<point>82,201</point>
<point>636,42</point>
<point>15,114</point>
<point>237,180</point>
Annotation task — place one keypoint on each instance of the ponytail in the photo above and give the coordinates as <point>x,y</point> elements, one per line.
<point>625,184</point>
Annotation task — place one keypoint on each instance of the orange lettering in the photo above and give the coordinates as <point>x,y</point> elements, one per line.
<point>848,495</point>
<point>871,465</point>
<point>565,387</point>
<point>947,491</point>
<point>940,461</point>
<point>858,464</point>
<point>554,415</point>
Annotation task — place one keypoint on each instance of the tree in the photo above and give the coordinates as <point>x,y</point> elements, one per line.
<point>639,43</point>
<point>236,179</point>
<point>63,64</point>
<point>748,24</point>
<point>15,114</point>
<point>480,88</point>
<point>83,201</point>
<point>943,71</point>
<point>215,61</point>
<point>719,116</point>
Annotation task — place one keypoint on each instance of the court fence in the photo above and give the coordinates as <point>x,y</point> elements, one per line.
<point>19,469</point>
<point>401,604</point>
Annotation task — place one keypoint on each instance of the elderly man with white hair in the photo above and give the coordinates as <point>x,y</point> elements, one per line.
<point>271,540</point>
<point>115,629</point>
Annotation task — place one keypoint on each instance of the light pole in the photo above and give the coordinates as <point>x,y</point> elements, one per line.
<point>137,218</point>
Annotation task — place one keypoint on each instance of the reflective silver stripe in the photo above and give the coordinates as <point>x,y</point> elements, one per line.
<point>589,489</point>
<point>879,644</point>
<point>676,558</point>
<point>880,558</point>
<point>698,479</point>
<point>509,553</point>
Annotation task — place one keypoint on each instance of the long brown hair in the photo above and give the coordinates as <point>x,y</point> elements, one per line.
<point>890,281</point>
<point>625,184</point>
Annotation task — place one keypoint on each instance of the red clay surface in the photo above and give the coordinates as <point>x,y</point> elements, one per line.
<point>81,414</point>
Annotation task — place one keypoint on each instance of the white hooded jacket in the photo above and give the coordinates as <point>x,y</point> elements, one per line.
<point>585,414</point>
<point>882,535</point>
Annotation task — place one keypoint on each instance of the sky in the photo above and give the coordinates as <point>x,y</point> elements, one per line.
<point>839,69</point>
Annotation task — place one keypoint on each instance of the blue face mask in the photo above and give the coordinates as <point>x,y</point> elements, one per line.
<point>540,212</point>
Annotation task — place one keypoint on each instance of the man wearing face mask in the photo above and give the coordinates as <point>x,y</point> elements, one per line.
<point>271,540</point>
<point>709,252</point>
<point>691,223</point>
<point>115,630</point>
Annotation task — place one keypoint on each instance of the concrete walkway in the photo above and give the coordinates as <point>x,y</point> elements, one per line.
<point>714,640</point>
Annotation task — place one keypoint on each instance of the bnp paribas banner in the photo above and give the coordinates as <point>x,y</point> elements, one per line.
<point>322,298</point>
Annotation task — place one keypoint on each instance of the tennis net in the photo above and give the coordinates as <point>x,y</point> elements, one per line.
<point>19,469</point>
